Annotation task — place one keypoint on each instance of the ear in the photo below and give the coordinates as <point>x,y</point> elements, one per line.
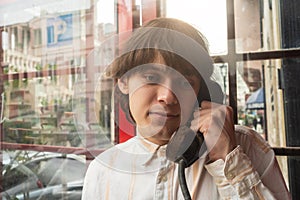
<point>123,85</point>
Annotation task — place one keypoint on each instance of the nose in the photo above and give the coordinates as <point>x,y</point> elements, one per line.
<point>166,95</point>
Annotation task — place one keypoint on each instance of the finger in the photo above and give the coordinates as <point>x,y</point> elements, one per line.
<point>200,124</point>
<point>203,129</point>
<point>209,104</point>
<point>206,104</point>
<point>196,113</point>
<point>201,111</point>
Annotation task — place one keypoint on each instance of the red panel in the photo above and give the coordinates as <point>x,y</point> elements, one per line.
<point>124,19</point>
<point>126,129</point>
<point>149,8</point>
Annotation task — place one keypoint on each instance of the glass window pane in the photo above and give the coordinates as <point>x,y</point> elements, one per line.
<point>208,16</point>
<point>35,175</point>
<point>266,25</point>
<point>260,102</point>
<point>54,53</point>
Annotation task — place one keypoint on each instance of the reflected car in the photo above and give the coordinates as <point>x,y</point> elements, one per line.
<point>51,176</point>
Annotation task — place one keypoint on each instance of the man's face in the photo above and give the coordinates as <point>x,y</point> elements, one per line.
<point>160,99</point>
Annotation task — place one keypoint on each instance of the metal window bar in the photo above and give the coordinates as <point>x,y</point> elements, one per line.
<point>232,58</point>
<point>279,151</point>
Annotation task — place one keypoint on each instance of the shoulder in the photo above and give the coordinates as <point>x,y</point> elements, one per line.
<point>127,146</point>
<point>103,169</point>
<point>255,147</point>
<point>115,156</point>
<point>247,137</point>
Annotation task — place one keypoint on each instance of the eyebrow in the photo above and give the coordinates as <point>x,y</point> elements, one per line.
<point>164,68</point>
<point>153,66</point>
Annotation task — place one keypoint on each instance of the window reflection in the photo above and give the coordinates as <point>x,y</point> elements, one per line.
<point>53,55</point>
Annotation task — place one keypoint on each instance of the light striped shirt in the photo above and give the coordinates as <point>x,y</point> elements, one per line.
<point>139,170</point>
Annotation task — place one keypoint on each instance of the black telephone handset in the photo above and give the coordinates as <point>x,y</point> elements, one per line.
<point>184,148</point>
<point>185,145</point>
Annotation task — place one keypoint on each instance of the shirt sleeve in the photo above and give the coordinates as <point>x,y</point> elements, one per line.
<point>236,178</point>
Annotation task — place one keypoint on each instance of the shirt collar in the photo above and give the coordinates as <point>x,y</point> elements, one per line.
<point>155,150</point>
<point>149,146</point>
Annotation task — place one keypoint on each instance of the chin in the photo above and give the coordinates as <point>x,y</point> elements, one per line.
<point>157,134</point>
<point>159,140</point>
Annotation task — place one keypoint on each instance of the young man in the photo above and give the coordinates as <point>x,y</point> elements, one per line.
<point>164,82</point>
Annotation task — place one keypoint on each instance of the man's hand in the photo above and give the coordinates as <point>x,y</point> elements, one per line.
<point>216,123</point>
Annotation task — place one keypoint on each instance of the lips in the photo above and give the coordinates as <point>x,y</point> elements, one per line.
<point>163,114</point>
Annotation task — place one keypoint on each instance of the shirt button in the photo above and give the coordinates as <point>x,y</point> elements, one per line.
<point>230,176</point>
<point>164,179</point>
